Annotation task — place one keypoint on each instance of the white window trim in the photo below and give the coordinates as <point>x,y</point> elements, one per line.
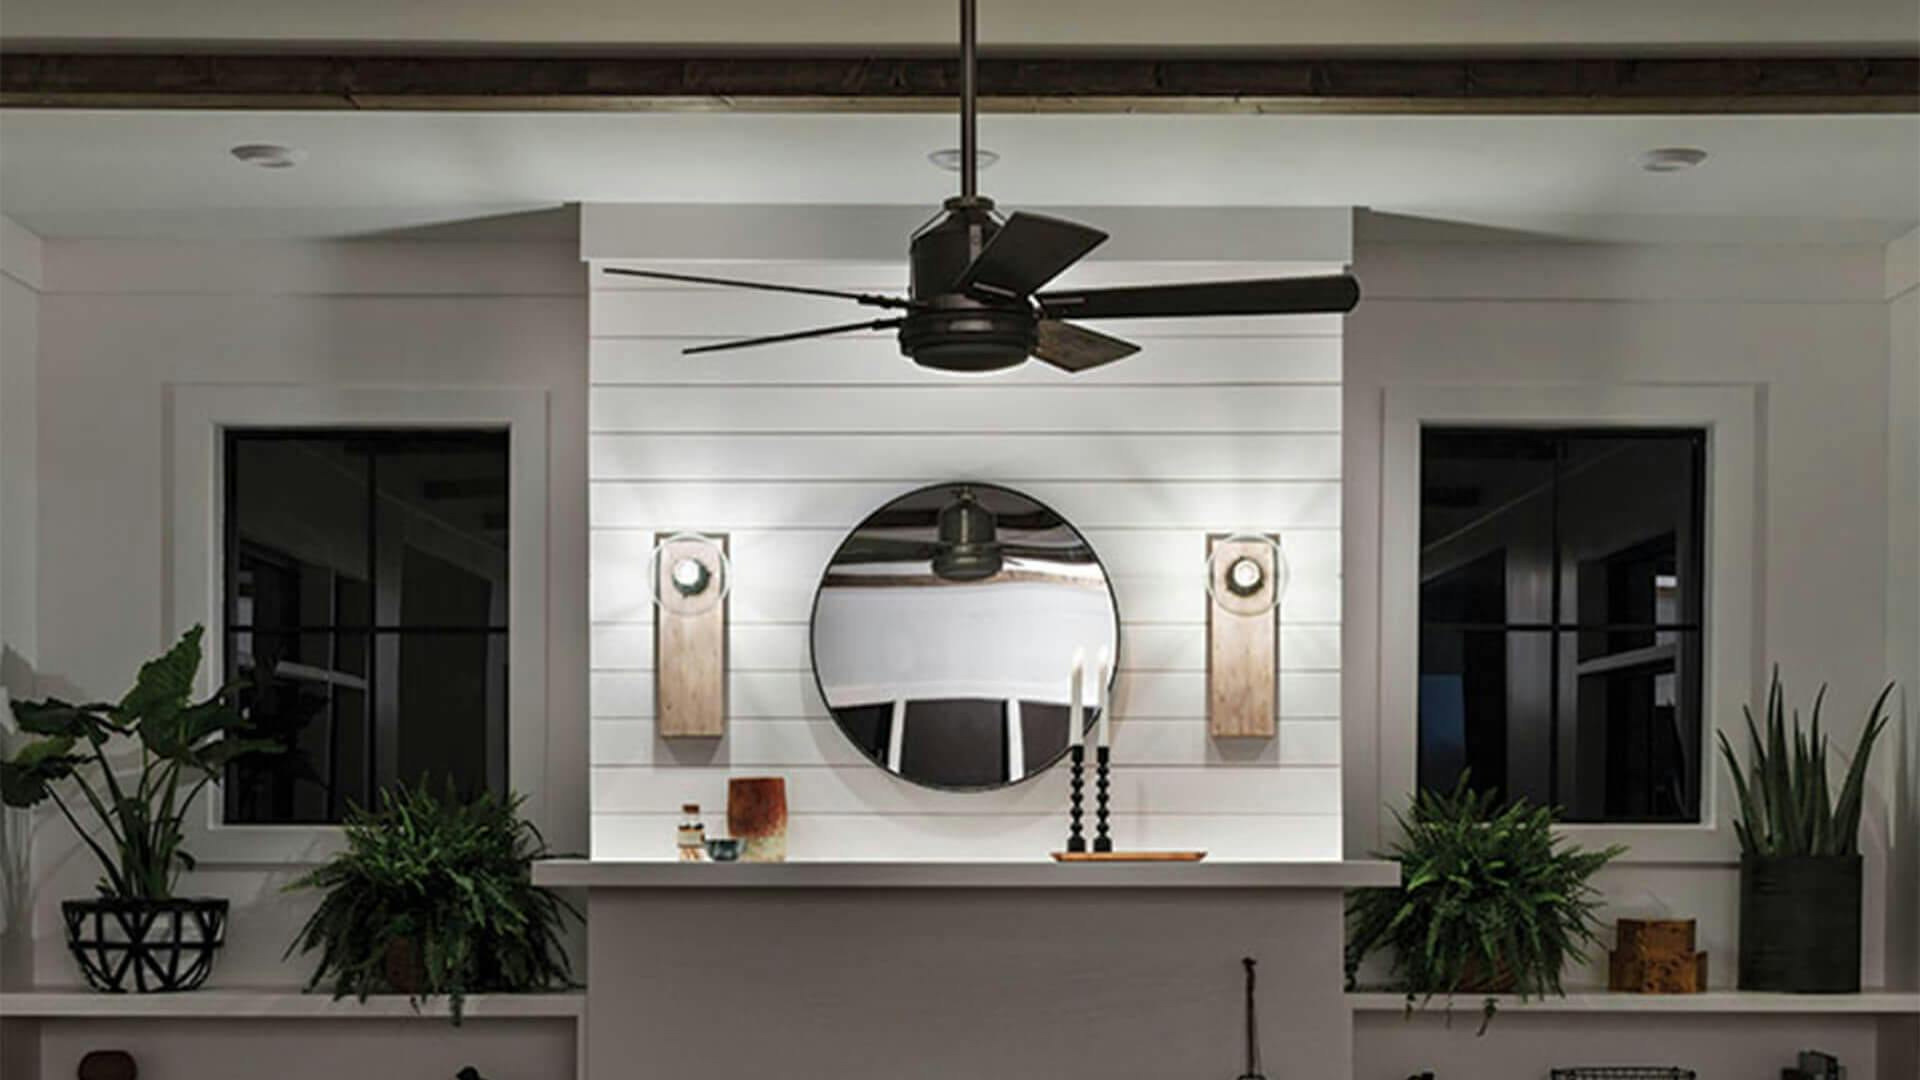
<point>1730,415</point>
<point>199,415</point>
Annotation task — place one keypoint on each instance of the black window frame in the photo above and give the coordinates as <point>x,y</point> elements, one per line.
<point>1563,633</point>
<point>375,438</point>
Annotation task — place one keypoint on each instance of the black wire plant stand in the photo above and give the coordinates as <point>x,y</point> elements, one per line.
<point>145,946</point>
<point>1623,1073</point>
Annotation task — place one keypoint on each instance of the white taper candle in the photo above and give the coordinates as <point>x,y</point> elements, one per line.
<point>1100,696</point>
<point>1077,709</point>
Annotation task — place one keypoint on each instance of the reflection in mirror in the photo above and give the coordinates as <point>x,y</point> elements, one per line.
<point>945,630</point>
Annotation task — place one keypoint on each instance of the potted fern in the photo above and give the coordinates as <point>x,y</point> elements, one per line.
<point>433,895</point>
<point>136,934</point>
<point>1489,901</point>
<point>1800,865</point>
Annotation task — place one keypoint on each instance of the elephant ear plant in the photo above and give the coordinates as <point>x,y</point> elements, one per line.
<point>135,935</point>
<point>1800,865</point>
<point>1490,900</point>
<point>183,745</point>
<point>434,895</point>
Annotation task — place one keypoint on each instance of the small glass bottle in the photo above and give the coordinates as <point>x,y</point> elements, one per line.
<point>693,834</point>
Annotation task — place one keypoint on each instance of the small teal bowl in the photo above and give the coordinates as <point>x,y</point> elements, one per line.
<point>723,848</point>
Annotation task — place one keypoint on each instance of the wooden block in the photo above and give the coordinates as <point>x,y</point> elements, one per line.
<point>1634,971</point>
<point>1656,935</point>
<point>690,646</point>
<point>1656,956</point>
<point>1242,688</point>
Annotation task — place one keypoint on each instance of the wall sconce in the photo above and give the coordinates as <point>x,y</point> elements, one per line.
<point>690,576</point>
<point>1246,578</point>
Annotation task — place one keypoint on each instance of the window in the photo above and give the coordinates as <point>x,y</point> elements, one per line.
<point>365,578</point>
<point>1561,596</point>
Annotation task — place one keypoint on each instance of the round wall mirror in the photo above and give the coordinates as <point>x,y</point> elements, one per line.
<point>945,630</point>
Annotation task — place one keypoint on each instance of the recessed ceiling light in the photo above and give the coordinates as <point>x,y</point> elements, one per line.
<point>949,159</point>
<point>268,155</point>
<point>1672,159</point>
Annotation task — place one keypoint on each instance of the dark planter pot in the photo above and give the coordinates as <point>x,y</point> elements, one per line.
<point>404,968</point>
<point>1800,923</point>
<point>145,946</point>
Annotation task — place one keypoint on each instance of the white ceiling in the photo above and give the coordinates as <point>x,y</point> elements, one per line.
<point>1767,25</point>
<point>152,174</point>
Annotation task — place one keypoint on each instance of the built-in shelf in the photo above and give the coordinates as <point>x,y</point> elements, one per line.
<point>276,1004</point>
<point>1041,873</point>
<point>1866,1003</point>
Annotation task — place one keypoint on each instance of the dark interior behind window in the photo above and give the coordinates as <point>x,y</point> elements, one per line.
<point>366,610</point>
<point>1562,581</point>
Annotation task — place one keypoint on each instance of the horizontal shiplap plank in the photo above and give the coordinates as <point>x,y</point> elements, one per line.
<point>890,277</point>
<point>793,695</point>
<point>1162,599</point>
<point>1089,504</point>
<point>875,359</point>
<point>356,268</point>
<point>967,407</point>
<point>988,456</point>
<point>1157,576</point>
<point>715,314</point>
<point>866,789</point>
<point>816,743</point>
<point>785,647</point>
<point>921,835</point>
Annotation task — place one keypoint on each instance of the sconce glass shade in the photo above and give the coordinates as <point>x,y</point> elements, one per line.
<point>1237,582</point>
<point>698,570</point>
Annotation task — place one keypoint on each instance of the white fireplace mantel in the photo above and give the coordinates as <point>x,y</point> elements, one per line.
<point>1036,874</point>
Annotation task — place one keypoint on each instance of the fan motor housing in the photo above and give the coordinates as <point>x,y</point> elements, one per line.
<point>954,331</point>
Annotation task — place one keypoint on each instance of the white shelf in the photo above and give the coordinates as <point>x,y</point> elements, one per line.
<point>276,1004</point>
<point>1867,1003</point>
<point>1040,873</point>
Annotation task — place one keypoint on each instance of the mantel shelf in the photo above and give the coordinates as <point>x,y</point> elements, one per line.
<point>1040,873</point>
<point>1866,1003</point>
<point>276,1004</point>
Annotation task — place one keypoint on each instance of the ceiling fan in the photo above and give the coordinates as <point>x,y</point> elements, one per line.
<point>974,302</point>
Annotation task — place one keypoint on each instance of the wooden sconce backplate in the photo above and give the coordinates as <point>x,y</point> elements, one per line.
<point>689,645</point>
<point>1242,644</point>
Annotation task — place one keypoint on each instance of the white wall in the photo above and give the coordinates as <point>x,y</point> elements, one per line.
<point>121,324</point>
<point>1806,327</point>
<point>20,280</point>
<point>1903,601</point>
<point>20,284</point>
<point>1217,425</point>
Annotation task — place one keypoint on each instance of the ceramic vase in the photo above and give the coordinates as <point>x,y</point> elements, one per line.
<point>757,817</point>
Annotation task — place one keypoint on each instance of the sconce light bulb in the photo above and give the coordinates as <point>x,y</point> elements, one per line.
<point>1245,576</point>
<point>690,576</point>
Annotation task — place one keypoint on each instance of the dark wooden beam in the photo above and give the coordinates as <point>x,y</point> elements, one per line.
<point>906,83</point>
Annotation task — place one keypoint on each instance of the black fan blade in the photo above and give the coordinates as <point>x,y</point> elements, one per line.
<point>868,299</point>
<point>1028,251</point>
<point>797,335</point>
<point>1076,348</point>
<point>1258,296</point>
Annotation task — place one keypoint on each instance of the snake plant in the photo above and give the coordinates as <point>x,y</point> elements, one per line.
<point>1786,805</point>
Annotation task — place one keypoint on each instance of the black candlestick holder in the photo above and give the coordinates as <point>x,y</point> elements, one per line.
<point>1101,766</point>
<point>1076,839</point>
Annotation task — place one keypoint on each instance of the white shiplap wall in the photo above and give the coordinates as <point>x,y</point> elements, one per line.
<point>1217,424</point>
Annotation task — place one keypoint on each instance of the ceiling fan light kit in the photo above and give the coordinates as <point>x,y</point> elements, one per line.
<point>974,303</point>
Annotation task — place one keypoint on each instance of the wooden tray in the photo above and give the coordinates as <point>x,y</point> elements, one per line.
<point>1128,856</point>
